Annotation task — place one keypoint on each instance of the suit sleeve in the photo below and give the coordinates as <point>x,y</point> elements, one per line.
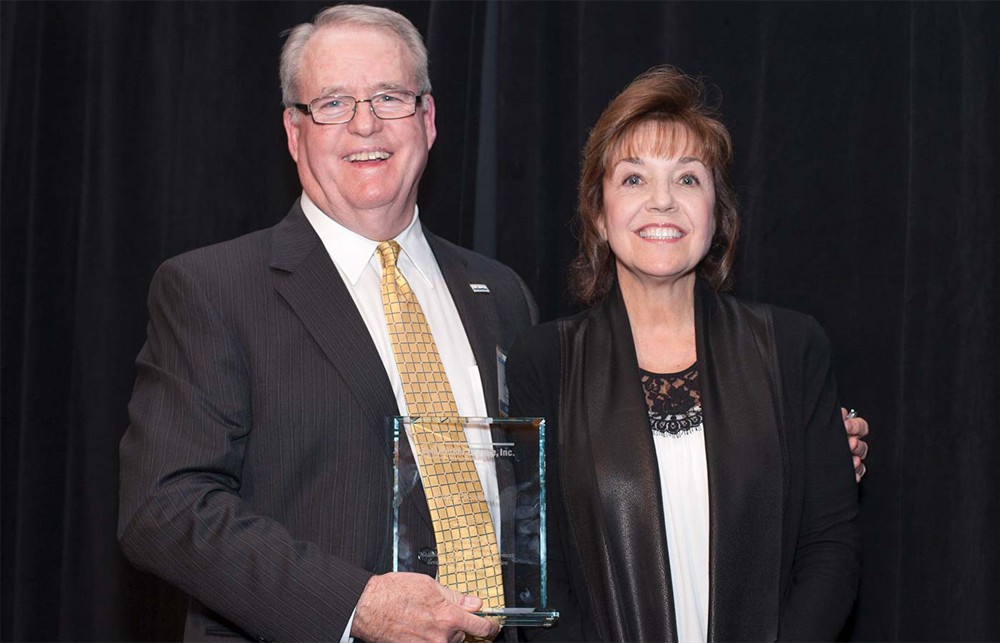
<point>826,566</point>
<point>181,513</point>
<point>529,301</point>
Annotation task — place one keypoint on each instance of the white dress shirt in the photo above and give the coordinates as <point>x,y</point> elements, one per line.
<point>359,266</point>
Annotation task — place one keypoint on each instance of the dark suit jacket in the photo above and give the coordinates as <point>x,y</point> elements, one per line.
<point>784,550</point>
<point>256,471</point>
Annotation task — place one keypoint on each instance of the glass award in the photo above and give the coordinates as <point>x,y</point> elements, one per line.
<point>509,455</point>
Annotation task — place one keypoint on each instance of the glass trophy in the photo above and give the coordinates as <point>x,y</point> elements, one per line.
<point>509,454</point>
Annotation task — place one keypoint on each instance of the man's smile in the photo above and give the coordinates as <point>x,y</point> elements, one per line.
<point>373,155</point>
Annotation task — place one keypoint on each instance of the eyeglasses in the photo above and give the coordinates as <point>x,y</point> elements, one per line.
<point>337,110</point>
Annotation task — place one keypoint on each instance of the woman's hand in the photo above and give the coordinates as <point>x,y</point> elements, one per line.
<point>857,428</point>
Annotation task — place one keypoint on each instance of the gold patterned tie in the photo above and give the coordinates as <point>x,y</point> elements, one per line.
<point>468,556</point>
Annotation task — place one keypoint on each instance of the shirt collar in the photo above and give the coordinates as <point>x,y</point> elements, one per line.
<point>352,252</point>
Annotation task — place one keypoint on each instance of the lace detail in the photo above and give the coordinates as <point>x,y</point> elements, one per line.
<point>673,401</point>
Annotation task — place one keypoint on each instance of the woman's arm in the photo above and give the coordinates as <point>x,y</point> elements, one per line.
<point>826,565</point>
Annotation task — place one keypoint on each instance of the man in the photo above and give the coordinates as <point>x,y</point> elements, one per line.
<point>256,468</point>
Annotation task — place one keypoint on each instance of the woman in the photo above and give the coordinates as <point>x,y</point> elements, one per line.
<point>702,488</point>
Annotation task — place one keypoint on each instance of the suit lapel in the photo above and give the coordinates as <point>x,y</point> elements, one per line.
<point>307,279</point>
<point>478,313</point>
<point>745,473</point>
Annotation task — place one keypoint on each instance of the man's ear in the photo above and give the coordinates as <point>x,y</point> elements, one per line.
<point>292,124</point>
<point>427,113</point>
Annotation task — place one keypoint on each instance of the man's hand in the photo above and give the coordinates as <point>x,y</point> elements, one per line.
<point>401,606</point>
<point>857,428</point>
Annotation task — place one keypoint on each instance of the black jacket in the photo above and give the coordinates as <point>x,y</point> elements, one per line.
<point>784,545</point>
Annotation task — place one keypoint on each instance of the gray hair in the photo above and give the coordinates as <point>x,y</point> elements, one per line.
<point>354,14</point>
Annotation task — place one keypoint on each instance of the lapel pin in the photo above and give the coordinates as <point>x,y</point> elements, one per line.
<point>479,287</point>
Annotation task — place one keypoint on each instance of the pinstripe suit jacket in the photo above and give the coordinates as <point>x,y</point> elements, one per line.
<point>255,473</point>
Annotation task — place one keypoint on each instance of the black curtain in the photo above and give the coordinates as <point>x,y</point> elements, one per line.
<point>867,141</point>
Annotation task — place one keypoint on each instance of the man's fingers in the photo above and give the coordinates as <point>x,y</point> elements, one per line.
<point>476,627</point>
<point>470,603</point>
<point>479,627</point>
<point>467,602</point>
<point>402,606</point>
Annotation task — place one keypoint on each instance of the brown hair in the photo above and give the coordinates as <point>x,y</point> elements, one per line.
<point>663,95</point>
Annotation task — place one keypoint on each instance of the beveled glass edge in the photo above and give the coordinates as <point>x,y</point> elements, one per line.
<point>399,421</point>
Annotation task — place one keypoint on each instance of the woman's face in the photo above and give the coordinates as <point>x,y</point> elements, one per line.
<point>659,202</point>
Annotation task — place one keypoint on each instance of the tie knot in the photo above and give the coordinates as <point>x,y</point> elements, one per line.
<point>388,252</point>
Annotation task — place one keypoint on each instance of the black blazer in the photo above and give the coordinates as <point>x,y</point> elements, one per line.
<point>255,473</point>
<point>784,550</point>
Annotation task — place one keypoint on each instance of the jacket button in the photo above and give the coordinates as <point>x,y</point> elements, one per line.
<point>427,556</point>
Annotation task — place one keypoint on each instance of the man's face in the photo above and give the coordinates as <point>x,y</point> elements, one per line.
<point>364,173</point>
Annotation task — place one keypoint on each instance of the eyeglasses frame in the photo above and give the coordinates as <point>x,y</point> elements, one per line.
<point>306,108</point>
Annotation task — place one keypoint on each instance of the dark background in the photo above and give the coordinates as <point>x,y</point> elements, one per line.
<point>867,141</point>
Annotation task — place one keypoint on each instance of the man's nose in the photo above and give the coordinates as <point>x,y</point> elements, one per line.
<point>365,122</point>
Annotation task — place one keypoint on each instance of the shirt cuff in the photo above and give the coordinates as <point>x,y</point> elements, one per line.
<point>346,638</point>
